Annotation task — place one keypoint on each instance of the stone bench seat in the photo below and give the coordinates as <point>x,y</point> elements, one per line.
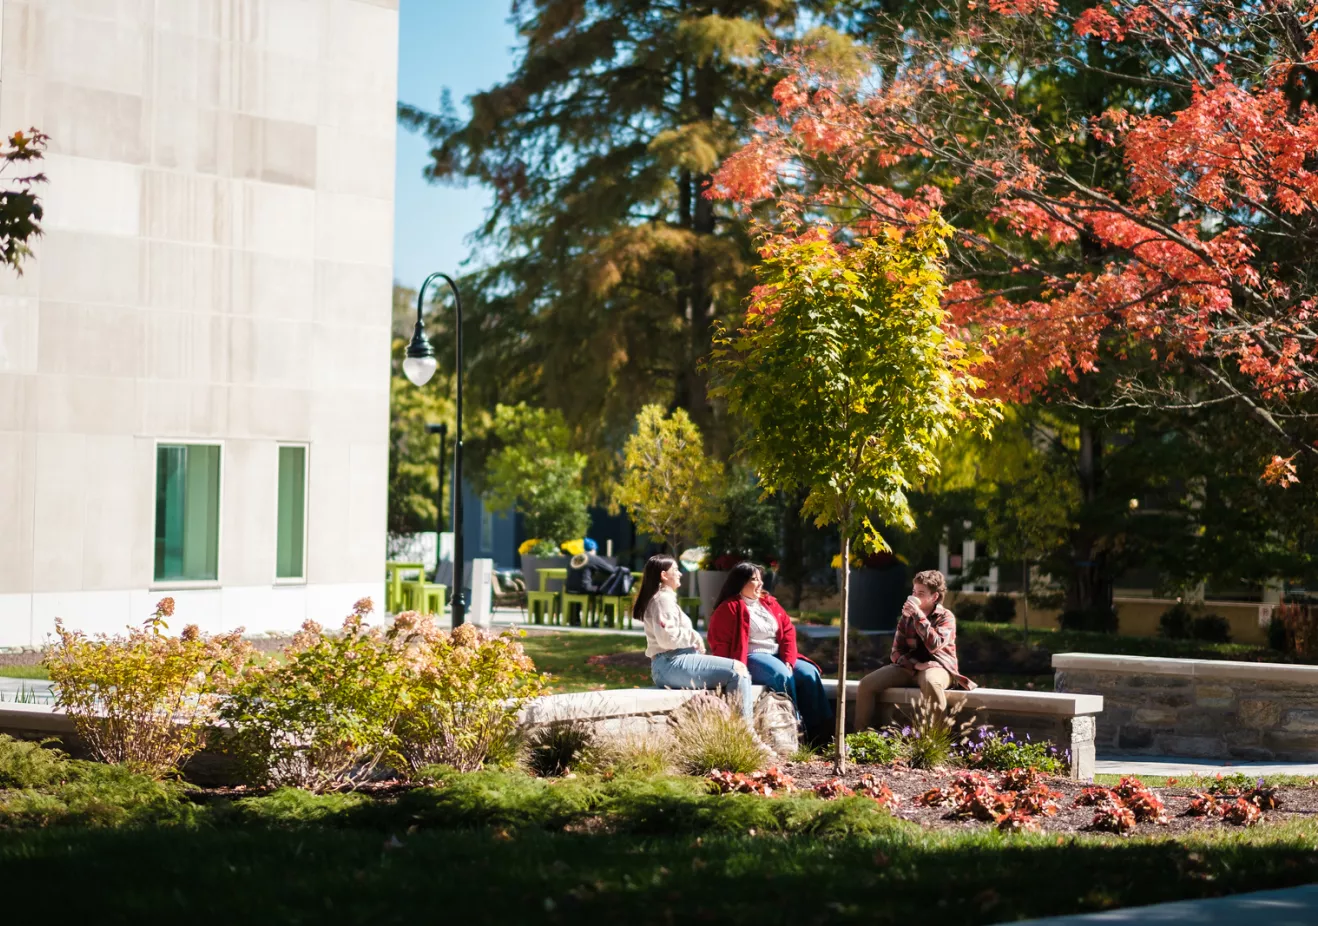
<point>1068,720</point>
<point>614,704</point>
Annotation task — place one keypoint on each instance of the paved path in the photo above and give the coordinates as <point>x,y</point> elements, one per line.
<point>1295,906</point>
<point>1172,766</point>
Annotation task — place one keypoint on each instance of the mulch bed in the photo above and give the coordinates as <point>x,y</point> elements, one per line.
<point>907,784</point>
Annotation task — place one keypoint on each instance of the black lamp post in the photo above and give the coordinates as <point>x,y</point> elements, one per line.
<point>419,367</point>
<point>442,430</point>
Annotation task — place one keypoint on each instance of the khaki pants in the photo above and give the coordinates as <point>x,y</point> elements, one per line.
<point>933,682</point>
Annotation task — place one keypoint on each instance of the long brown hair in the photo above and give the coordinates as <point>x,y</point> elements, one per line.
<point>655,567</point>
<point>737,578</point>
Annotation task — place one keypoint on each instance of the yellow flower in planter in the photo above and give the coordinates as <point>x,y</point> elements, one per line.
<point>528,545</point>
<point>574,547</point>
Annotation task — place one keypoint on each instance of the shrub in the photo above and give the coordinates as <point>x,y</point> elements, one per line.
<point>999,609</point>
<point>999,750</point>
<point>144,700</point>
<point>969,610</point>
<point>1100,620</point>
<point>96,794</point>
<point>1175,622</point>
<point>875,748</point>
<point>707,735</point>
<point>934,736</point>
<point>1211,628</point>
<point>30,765</point>
<point>557,748</point>
<point>338,705</point>
<point>325,714</point>
<point>647,756</point>
<point>462,692</point>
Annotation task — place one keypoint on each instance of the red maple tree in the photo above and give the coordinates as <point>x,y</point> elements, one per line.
<point>1175,223</point>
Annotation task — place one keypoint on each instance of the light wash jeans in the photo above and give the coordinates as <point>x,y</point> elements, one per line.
<point>685,668</point>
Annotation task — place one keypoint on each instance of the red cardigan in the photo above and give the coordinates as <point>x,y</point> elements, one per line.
<point>729,630</point>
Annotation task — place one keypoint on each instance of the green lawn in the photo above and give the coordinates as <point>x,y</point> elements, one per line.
<point>565,656</point>
<point>37,672</point>
<point>497,848</point>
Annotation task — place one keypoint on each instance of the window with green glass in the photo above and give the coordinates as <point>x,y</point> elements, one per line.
<point>187,512</point>
<point>290,563</point>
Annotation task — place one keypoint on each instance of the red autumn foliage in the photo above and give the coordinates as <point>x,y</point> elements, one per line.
<point>765,783</point>
<point>871,787</point>
<point>1176,226</point>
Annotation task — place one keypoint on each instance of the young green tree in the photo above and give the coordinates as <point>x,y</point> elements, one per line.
<point>669,487</point>
<point>533,466</point>
<point>20,209</point>
<point>846,381</point>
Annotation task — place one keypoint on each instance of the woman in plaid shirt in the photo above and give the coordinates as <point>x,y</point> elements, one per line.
<point>923,650</point>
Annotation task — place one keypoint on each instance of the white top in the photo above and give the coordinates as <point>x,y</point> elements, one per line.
<point>667,626</point>
<point>763,629</point>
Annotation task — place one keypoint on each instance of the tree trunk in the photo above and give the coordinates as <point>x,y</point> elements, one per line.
<point>1090,585</point>
<point>840,743</point>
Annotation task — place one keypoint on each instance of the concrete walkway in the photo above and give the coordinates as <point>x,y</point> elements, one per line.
<point>1179,767</point>
<point>1295,906</point>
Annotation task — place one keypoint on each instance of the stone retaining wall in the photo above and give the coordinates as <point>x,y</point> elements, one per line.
<point>1197,707</point>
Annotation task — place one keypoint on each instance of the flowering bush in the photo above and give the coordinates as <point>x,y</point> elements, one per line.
<point>462,692</point>
<point>326,712</point>
<point>337,705</point>
<point>144,700</point>
<point>537,547</point>
<point>1000,750</point>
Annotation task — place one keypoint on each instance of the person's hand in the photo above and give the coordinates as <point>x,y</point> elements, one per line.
<point>909,609</point>
<point>921,666</point>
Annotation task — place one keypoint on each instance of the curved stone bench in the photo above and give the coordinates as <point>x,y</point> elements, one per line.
<point>614,711</point>
<point>1068,720</point>
<point>1201,708</point>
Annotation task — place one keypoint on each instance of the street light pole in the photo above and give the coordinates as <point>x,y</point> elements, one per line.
<point>419,366</point>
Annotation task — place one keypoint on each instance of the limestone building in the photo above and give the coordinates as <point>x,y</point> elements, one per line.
<point>194,367</point>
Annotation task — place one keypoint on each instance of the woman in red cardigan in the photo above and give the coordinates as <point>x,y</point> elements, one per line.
<point>751,627</point>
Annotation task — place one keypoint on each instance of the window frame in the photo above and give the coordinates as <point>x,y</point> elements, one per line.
<point>184,584</point>
<point>306,512</point>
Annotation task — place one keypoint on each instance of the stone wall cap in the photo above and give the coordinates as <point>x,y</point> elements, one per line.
<point>40,718</point>
<point>1188,668</point>
<point>1052,703</point>
<point>607,704</point>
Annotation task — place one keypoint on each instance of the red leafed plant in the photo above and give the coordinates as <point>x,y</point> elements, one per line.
<point>1263,798</point>
<point>1019,779</point>
<point>761,783</point>
<point>871,787</point>
<point>1114,817</point>
<point>1202,805</point>
<point>1090,797</point>
<point>935,797</point>
<point>1018,821</point>
<point>1039,800</point>
<point>832,789</point>
<point>983,803</point>
<point>1147,807</point>
<point>1241,812</point>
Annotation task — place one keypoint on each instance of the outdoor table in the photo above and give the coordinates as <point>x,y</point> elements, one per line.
<point>393,583</point>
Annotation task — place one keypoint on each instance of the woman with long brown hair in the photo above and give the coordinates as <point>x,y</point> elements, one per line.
<point>676,650</point>
<point>749,625</point>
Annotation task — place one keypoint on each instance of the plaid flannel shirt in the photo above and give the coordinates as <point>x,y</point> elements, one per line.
<point>938,633</point>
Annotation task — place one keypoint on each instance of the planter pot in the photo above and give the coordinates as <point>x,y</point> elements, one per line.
<point>876,597</point>
<point>710,583</point>
<point>531,563</point>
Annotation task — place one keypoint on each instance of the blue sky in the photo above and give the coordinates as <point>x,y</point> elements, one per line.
<point>465,45</point>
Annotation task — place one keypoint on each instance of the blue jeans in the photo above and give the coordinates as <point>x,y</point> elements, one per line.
<point>685,668</point>
<point>800,683</point>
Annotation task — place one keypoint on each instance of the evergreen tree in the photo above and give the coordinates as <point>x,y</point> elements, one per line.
<point>610,263</point>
